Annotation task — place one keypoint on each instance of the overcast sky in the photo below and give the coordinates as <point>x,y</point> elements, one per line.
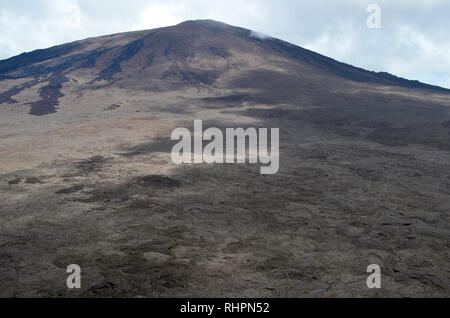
<point>413,41</point>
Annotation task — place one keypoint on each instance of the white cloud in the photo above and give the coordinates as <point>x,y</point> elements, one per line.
<point>159,15</point>
<point>58,22</point>
<point>335,41</point>
<point>66,14</point>
<point>259,35</point>
<point>417,56</point>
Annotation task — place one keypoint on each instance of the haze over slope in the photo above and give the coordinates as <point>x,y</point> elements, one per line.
<point>86,174</point>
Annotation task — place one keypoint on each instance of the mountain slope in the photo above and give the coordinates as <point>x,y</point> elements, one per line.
<point>86,175</point>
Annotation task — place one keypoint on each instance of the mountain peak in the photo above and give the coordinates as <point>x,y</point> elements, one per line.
<point>209,25</point>
<point>203,22</point>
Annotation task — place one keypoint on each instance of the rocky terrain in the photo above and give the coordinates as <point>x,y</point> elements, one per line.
<point>86,176</point>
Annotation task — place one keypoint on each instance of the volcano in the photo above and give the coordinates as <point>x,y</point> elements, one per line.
<point>201,54</point>
<point>87,179</point>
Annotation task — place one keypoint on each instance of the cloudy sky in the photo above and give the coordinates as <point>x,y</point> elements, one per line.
<point>413,40</point>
